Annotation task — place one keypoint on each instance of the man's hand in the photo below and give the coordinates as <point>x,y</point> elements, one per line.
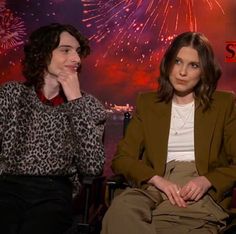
<point>70,84</point>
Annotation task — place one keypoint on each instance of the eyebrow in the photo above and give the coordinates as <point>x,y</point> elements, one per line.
<point>177,57</point>
<point>68,46</point>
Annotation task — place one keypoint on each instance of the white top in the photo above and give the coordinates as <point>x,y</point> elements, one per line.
<point>181,135</point>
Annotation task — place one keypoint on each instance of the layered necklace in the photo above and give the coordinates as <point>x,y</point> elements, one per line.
<point>180,116</point>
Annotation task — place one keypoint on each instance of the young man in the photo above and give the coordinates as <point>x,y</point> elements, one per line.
<point>50,133</point>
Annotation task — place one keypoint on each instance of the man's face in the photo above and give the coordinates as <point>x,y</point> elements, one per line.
<point>65,58</point>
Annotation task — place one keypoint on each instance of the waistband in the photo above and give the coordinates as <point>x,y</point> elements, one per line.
<point>35,178</point>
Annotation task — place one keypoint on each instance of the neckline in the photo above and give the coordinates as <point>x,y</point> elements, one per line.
<point>183,105</point>
<point>180,113</point>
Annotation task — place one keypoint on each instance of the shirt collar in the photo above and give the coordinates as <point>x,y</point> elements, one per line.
<point>57,100</point>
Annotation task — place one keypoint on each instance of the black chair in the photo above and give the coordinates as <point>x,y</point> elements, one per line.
<point>89,206</point>
<point>118,182</point>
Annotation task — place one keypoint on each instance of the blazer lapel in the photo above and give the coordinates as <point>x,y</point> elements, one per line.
<point>204,125</point>
<point>159,125</point>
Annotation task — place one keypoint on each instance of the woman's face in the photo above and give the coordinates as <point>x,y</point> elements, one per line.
<point>186,71</point>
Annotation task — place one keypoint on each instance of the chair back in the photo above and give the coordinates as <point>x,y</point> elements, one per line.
<point>127,117</point>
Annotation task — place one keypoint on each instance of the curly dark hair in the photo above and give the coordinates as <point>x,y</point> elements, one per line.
<point>38,51</point>
<point>210,69</point>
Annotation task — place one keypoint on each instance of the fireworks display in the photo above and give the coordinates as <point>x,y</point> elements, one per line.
<point>133,26</point>
<point>127,37</point>
<point>16,19</point>
<point>12,29</point>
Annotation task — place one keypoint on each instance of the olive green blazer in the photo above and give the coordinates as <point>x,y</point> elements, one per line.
<point>214,139</point>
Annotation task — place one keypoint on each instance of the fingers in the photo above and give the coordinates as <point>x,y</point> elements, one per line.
<point>68,73</point>
<point>171,190</point>
<point>191,193</point>
<point>70,85</point>
<point>178,199</point>
<point>64,76</point>
<point>195,188</point>
<point>175,198</point>
<point>186,192</point>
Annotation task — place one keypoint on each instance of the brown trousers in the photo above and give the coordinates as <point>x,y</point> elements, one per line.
<point>138,211</point>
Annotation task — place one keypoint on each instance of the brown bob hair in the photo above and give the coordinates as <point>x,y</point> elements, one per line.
<point>210,69</point>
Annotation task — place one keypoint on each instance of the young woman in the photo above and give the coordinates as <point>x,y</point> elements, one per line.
<point>185,133</point>
<point>50,133</point>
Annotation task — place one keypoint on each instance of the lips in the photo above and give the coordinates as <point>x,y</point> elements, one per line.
<point>181,81</point>
<point>73,67</point>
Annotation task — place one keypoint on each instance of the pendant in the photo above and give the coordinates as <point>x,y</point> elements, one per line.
<point>174,132</point>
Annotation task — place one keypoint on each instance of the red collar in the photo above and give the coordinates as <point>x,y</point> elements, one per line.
<point>58,100</point>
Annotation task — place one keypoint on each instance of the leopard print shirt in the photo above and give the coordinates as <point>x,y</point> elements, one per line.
<point>37,139</point>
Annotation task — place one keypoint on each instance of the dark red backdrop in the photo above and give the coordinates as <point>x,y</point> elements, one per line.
<point>127,38</point>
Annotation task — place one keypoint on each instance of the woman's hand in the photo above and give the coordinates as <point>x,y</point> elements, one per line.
<point>195,188</point>
<point>70,84</point>
<point>171,190</point>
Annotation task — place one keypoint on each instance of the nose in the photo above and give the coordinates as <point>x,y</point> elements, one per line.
<point>76,57</point>
<point>183,70</point>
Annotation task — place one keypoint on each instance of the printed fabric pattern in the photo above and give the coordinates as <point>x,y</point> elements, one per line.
<point>37,139</point>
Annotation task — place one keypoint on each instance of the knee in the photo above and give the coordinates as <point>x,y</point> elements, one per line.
<point>118,205</point>
<point>130,207</point>
<point>119,211</point>
<point>130,201</point>
<point>128,198</point>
